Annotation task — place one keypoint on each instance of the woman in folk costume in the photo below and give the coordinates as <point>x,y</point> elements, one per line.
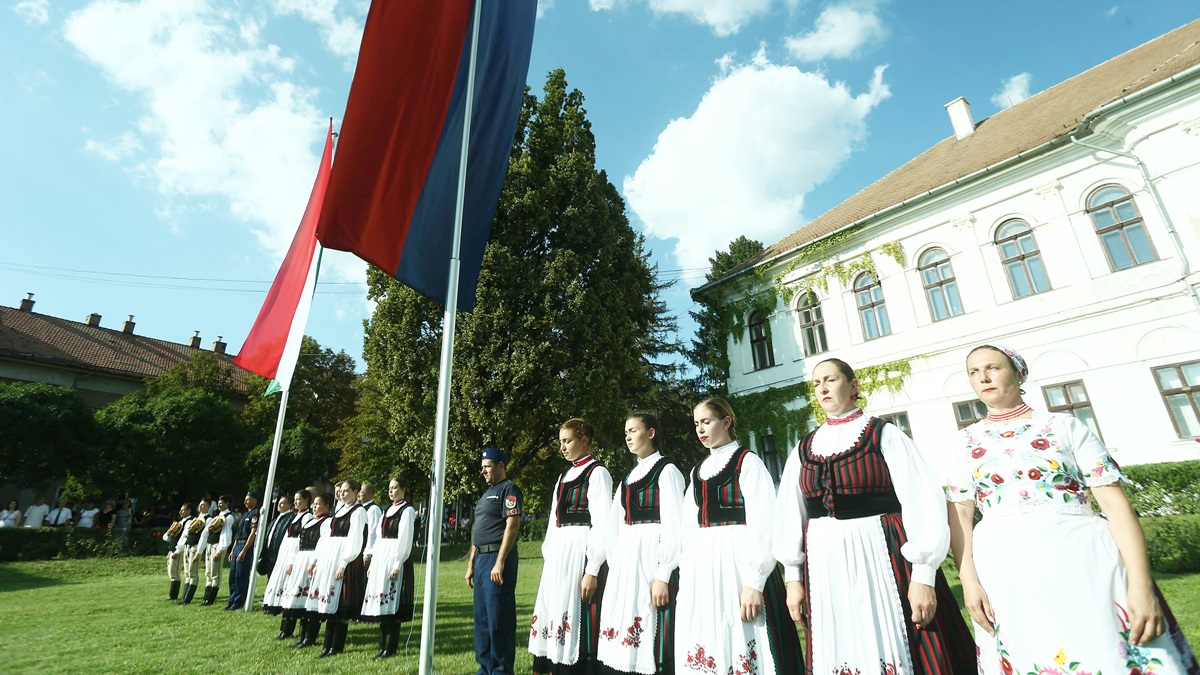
<point>1050,585</point>
<point>277,582</point>
<point>566,616</point>
<point>637,621</point>
<point>298,587</point>
<point>731,614</point>
<point>861,530</point>
<point>339,575</point>
<point>388,600</point>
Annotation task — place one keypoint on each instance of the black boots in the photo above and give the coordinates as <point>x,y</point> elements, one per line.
<point>210,595</point>
<point>174,594</point>
<point>335,638</point>
<point>309,630</point>
<point>389,639</point>
<point>189,591</point>
<point>287,627</point>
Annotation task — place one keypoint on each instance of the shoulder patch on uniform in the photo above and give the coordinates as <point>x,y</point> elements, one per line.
<point>510,502</point>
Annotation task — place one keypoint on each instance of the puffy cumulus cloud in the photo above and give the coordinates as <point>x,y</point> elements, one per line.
<point>841,32</point>
<point>544,6</point>
<point>218,114</point>
<point>761,138</point>
<point>33,12</point>
<point>1012,91</point>
<point>340,24</point>
<point>725,17</point>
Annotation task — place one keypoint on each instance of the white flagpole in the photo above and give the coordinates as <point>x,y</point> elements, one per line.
<point>441,428</point>
<point>267,499</point>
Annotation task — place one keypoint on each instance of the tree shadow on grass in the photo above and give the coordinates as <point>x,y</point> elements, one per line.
<point>19,580</point>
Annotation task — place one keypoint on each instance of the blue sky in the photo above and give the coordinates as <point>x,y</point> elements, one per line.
<point>160,152</point>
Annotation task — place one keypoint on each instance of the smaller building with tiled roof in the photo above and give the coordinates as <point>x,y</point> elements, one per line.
<point>102,364</point>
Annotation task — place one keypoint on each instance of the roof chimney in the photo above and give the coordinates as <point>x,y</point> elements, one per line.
<point>127,327</point>
<point>960,117</point>
<point>194,342</point>
<point>27,303</point>
<point>218,346</point>
<point>93,320</point>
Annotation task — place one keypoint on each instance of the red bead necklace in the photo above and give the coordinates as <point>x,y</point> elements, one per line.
<point>844,420</point>
<point>582,461</point>
<point>1011,414</point>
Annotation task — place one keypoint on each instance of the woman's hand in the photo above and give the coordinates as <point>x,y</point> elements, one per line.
<point>288,570</point>
<point>978,605</point>
<point>588,586</point>
<point>312,568</point>
<point>752,603</point>
<point>795,600</point>
<point>923,601</point>
<point>341,572</point>
<point>660,594</point>
<point>1146,620</point>
<point>394,574</point>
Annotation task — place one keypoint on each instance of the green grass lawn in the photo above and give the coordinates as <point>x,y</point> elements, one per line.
<point>111,616</point>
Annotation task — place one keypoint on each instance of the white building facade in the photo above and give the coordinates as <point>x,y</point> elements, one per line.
<point>1067,227</point>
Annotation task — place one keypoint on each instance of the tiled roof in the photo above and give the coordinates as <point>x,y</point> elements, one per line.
<point>29,336</point>
<point>1049,115</point>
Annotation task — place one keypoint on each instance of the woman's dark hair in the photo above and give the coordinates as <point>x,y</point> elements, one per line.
<point>353,484</point>
<point>649,421</point>
<point>723,410</point>
<point>305,495</point>
<point>326,499</point>
<point>580,427</point>
<point>843,367</point>
<point>13,501</point>
<point>403,484</point>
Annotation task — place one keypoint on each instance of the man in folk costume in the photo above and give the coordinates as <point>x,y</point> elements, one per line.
<point>173,536</point>
<point>220,534</point>
<point>241,558</point>
<point>190,548</point>
<point>374,513</point>
<point>492,566</point>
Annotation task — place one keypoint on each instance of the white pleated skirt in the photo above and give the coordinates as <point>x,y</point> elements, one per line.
<point>628,619</point>
<point>554,629</point>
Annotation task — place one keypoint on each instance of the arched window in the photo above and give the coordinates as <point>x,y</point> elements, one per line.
<point>941,290</point>
<point>812,325</point>
<point>1021,258</point>
<point>760,342</point>
<point>1120,227</point>
<point>871,311</point>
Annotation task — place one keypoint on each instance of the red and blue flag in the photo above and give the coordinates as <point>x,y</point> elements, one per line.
<point>393,191</point>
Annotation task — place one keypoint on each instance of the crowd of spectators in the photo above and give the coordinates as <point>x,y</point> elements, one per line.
<point>119,516</point>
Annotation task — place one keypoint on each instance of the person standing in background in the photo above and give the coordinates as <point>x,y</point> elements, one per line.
<point>61,515</point>
<point>36,515</point>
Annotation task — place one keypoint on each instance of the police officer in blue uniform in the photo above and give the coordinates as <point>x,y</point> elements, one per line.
<point>242,553</point>
<point>492,567</point>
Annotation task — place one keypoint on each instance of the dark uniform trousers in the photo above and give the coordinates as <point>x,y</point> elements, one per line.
<point>495,615</point>
<point>239,575</point>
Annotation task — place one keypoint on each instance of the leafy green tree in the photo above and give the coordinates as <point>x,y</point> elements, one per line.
<point>304,458</point>
<point>204,371</point>
<point>173,442</point>
<point>323,394</point>
<point>567,322</point>
<point>46,432</point>
<point>709,352</point>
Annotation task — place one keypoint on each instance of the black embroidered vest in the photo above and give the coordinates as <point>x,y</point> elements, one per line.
<point>311,534</point>
<point>296,526</point>
<point>389,527</point>
<point>641,498</point>
<point>719,499</point>
<point>854,483</point>
<point>572,509</point>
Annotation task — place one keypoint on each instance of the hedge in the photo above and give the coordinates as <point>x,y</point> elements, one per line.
<point>44,543</point>
<point>1173,543</point>
<point>1168,489</point>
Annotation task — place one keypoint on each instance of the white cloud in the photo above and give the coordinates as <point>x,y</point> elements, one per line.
<point>1111,11</point>
<point>841,32</point>
<point>340,28</point>
<point>761,138</point>
<point>219,116</point>
<point>33,11</point>
<point>725,17</point>
<point>544,6</point>
<point>119,148</point>
<point>1012,91</point>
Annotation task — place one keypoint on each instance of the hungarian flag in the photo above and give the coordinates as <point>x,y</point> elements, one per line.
<point>273,345</point>
<point>393,193</point>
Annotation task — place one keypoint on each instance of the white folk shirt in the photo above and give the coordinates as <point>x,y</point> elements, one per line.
<point>599,496</point>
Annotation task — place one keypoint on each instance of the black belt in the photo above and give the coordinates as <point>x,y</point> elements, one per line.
<point>853,506</point>
<point>239,541</point>
<point>487,548</point>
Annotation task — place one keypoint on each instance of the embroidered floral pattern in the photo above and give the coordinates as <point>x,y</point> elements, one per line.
<point>845,669</point>
<point>609,633</point>
<point>886,668</point>
<point>560,634</point>
<point>701,662</point>
<point>633,637</point>
<point>1137,658</point>
<point>748,662</point>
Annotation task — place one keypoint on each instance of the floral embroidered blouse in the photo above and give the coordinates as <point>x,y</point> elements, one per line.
<point>1044,463</point>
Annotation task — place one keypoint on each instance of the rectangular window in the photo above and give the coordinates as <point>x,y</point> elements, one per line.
<point>769,453</point>
<point>969,412</point>
<point>900,419</point>
<point>1179,385</point>
<point>1071,397</point>
<point>760,344</point>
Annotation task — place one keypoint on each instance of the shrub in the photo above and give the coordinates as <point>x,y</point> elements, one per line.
<point>1173,543</point>
<point>44,543</point>
<point>533,529</point>
<point>1167,489</point>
